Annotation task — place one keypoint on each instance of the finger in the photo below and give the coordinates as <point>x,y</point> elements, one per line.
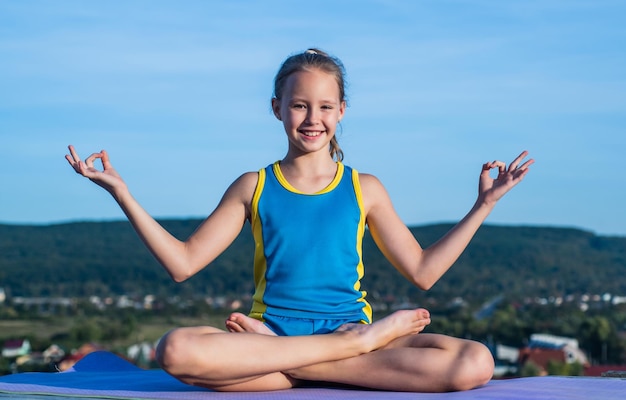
<point>500,165</point>
<point>521,171</point>
<point>89,161</point>
<point>73,156</point>
<point>105,159</point>
<point>517,160</point>
<point>70,160</point>
<point>527,164</point>
<point>79,166</point>
<point>74,160</point>
<point>82,168</point>
<point>487,167</point>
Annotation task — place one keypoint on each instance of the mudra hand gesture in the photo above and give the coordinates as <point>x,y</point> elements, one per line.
<point>108,178</point>
<point>491,190</point>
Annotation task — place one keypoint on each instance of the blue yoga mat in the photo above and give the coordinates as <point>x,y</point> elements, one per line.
<point>107,376</point>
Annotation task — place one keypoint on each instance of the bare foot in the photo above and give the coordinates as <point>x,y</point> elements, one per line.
<point>393,326</point>
<point>238,322</point>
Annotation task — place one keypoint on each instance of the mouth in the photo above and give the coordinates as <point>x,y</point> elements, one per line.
<point>311,134</point>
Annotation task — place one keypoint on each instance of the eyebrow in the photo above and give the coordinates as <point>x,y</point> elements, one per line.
<point>295,99</point>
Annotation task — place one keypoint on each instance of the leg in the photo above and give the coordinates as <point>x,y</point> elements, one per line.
<point>417,363</point>
<point>250,361</point>
<point>189,355</point>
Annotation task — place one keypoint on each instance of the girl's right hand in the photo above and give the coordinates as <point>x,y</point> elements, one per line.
<point>108,178</point>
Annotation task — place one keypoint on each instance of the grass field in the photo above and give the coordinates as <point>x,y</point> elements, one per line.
<point>43,332</point>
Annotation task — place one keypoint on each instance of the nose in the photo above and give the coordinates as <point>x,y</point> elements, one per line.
<point>312,116</point>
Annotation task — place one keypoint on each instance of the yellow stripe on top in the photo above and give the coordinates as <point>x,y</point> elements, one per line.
<point>367,309</point>
<point>260,265</point>
<point>333,184</point>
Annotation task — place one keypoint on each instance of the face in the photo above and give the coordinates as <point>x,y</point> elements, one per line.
<point>310,108</point>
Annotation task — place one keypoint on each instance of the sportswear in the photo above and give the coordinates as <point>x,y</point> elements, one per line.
<point>287,326</point>
<point>308,248</point>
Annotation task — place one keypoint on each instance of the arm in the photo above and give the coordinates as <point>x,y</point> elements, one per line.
<point>181,259</point>
<point>424,267</point>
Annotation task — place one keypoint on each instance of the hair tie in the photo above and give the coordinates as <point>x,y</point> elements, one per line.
<point>310,51</point>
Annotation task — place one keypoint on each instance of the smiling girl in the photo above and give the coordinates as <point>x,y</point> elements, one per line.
<point>310,320</point>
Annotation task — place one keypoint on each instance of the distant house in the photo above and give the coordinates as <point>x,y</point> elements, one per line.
<point>15,348</point>
<point>543,349</point>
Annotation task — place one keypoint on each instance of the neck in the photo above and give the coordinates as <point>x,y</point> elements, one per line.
<point>308,175</point>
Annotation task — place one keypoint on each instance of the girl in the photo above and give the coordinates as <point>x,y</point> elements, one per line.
<point>310,321</point>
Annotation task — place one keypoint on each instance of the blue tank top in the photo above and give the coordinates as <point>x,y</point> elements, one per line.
<point>308,254</point>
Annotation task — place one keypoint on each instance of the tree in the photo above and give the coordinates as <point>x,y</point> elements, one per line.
<point>596,334</point>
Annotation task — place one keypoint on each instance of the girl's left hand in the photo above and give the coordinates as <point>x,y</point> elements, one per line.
<point>491,190</point>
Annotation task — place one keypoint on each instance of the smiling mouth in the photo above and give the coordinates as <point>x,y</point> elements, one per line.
<point>311,133</point>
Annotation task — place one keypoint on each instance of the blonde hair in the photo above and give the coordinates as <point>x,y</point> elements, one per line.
<point>305,61</point>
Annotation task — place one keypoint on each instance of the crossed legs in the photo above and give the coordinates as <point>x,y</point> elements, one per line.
<point>388,355</point>
<point>416,363</point>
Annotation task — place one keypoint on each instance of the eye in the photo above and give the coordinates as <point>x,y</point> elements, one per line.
<point>327,107</point>
<point>299,106</point>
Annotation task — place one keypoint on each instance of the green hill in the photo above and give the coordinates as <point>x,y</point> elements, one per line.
<point>103,258</point>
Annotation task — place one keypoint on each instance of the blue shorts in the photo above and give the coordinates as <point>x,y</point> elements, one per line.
<point>288,326</point>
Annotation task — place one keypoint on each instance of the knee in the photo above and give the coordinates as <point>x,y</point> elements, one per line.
<point>475,366</point>
<point>484,364</point>
<point>171,351</point>
<point>192,356</point>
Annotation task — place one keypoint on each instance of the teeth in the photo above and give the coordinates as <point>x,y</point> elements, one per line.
<point>311,134</point>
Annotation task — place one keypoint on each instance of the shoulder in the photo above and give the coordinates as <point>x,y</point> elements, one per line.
<point>239,194</point>
<point>247,178</point>
<point>382,218</point>
<point>373,192</point>
<point>245,185</point>
<point>370,184</point>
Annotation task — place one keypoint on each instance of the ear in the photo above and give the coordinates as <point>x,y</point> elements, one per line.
<point>342,110</point>
<point>276,108</point>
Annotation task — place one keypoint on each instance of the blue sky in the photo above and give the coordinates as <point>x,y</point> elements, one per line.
<point>179,92</point>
